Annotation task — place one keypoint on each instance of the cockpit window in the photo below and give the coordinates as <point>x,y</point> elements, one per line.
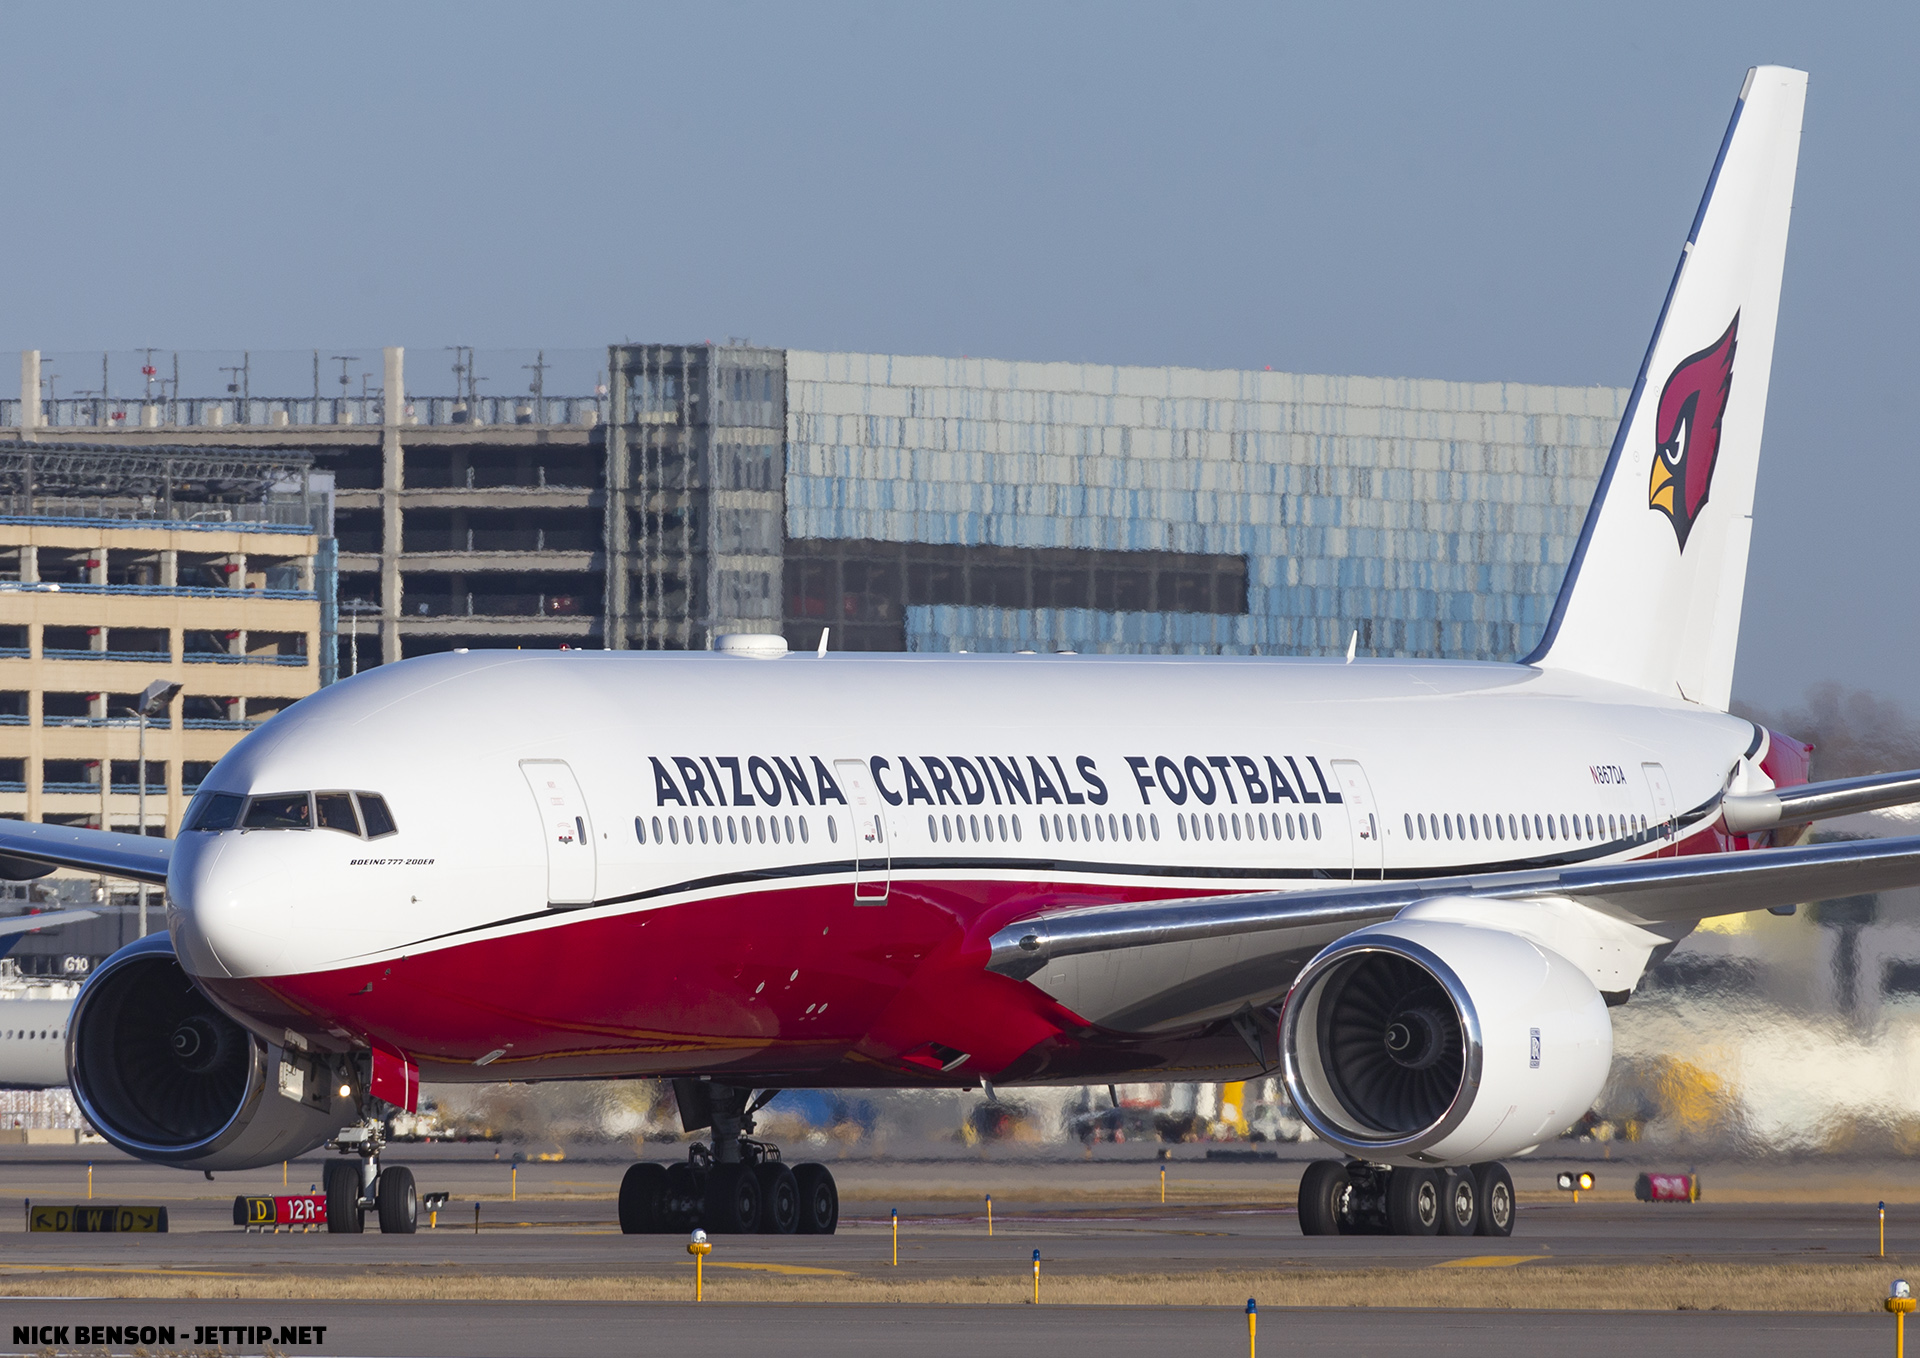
<point>278,811</point>
<point>334,811</point>
<point>293,811</point>
<point>215,811</point>
<point>379,819</point>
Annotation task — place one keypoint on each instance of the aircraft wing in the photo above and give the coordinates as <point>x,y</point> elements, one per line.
<point>1163,963</point>
<point>26,924</point>
<point>29,849</point>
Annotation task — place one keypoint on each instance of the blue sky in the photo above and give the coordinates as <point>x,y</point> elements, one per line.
<point>1467,192</point>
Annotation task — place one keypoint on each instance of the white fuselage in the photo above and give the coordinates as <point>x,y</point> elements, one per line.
<point>718,795</point>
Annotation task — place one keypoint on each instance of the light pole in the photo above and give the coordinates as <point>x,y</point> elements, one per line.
<point>154,700</point>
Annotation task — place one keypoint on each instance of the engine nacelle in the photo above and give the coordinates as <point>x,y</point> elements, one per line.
<point>164,1075</point>
<point>1432,1042</point>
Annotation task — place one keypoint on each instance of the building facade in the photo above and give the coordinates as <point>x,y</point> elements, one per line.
<point>120,568</point>
<point>925,504</point>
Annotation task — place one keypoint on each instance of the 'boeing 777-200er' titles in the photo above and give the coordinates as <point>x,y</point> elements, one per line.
<point>1413,887</point>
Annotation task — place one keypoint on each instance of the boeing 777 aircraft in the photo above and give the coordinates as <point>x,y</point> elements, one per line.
<point>1414,887</point>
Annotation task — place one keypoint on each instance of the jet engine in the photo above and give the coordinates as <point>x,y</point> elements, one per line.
<point>1430,1042</point>
<point>164,1075</point>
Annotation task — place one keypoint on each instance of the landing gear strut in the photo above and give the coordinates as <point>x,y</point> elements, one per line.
<point>736,1186</point>
<point>358,1186</point>
<point>1357,1198</point>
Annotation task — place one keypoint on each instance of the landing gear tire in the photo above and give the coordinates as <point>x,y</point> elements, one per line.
<point>1459,1202</point>
<point>1413,1202</point>
<point>399,1204</point>
<point>779,1198</point>
<point>643,1200</point>
<point>732,1205</point>
<point>345,1216</point>
<point>1323,1194</point>
<point>1495,1206</point>
<point>819,1199</point>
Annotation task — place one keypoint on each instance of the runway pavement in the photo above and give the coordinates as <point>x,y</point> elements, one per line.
<point>592,1330</point>
<point>1093,1218</point>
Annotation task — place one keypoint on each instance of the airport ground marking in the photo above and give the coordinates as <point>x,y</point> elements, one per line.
<point>795,1269</point>
<point>1490,1261</point>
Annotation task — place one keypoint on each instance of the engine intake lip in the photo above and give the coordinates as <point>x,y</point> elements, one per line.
<point>1316,1092</point>
<point>156,951</point>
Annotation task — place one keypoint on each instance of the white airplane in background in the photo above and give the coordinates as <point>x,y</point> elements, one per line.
<point>1414,887</point>
<point>33,1028</point>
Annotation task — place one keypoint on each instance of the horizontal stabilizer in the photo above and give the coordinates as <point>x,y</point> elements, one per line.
<point>1749,812</point>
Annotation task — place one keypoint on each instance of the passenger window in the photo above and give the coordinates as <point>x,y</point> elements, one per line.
<point>374,814</point>
<point>803,831</point>
<point>656,829</point>
<point>334,811</point>
<point>278,811</point>
<point>1016,829</point>
<point>215,811</point>
<point>1043,829</point>
<point>1181,820</point>
<point>759,829</point>
<point>833,829</point>
<point>789,827</point>
<point>1316,825</point>
<point>1409,819</point>
<point>933,829</point>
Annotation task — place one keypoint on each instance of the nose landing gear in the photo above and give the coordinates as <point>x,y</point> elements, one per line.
<point>736,1186</point>
<point>355,1187</point>
<point>1357,1198</point>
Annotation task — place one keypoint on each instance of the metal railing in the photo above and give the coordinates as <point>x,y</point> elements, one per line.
<point>121,723</point>
<point>218,724</point>
<point>233,522</point>
<point>142,657</point>
<point>15,719</point>
<point>82,789</point>
<point>502,606</point>
<point>279,412</point>
<point>221,658</point>
<point>501,540</point>
<point>165,591</point>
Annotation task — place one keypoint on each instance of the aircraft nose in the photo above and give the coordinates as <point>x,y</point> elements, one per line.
<point>226,908</point>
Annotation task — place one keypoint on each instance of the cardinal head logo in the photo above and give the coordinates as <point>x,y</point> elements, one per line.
<point>1687,432</point>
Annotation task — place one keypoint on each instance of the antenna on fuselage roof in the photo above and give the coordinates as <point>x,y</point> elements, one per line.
<point>820,651</point>
<point>1353,644</point>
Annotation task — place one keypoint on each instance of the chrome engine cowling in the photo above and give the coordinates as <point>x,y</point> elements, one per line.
<point>166,1076</point>
<point>1425,1042</point>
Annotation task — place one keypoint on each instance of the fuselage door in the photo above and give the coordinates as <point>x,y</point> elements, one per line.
<point>571,858</point>
<point>1662,794</point>
<point>1363,819</point>
<point>872,860</point>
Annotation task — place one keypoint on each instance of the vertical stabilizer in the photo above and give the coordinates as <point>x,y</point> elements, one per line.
<point>1652,595</point>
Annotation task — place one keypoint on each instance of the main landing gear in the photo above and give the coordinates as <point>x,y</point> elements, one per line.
<point>1356,1198</point>
<point>359,1185</point>
<point>738,1186</point>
